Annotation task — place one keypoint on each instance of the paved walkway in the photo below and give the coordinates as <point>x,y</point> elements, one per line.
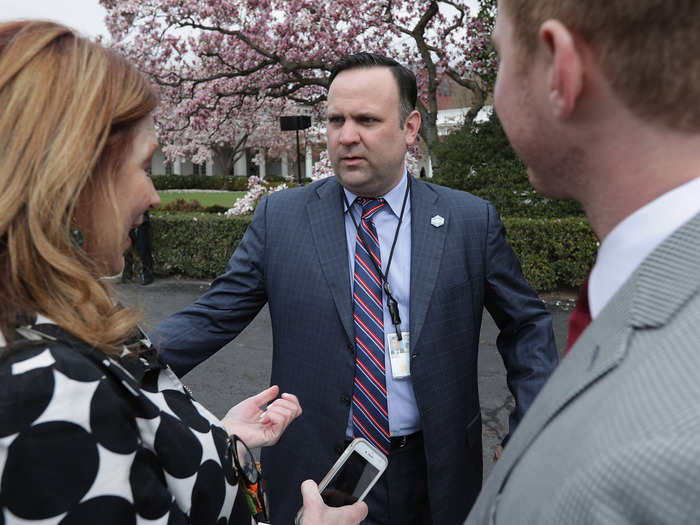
<point>242,367</point>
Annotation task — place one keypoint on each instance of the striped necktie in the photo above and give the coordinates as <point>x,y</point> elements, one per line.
<point>370,418</point>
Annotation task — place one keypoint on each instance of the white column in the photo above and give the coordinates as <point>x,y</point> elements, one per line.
<point>261,166</point>
<point>308,162</point>
<point>210,167</point>
<point>177,167</point>
<point>429,173</point>
<point>241,166</point>
<point>285,165</point>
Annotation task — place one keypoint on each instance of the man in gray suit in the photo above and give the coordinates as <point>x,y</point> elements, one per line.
<point>427,261</point>
<point>600,100</point>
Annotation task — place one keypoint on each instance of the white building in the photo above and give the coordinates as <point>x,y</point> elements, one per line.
<point>243,167</point>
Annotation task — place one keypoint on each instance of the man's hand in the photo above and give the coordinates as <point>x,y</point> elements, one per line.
<point>260,427</point>
<point>315,512</point>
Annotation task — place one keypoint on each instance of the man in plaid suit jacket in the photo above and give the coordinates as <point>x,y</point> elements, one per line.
<point>451,261</point>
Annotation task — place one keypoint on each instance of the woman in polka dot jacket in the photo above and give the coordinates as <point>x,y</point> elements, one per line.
<point>94,428</point>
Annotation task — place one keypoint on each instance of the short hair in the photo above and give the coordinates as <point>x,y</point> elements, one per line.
<point>405,79</point>
<point>69,113</point>
<point>648,49</point>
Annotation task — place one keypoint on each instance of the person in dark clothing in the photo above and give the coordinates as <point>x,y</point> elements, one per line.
<point>141,244</point>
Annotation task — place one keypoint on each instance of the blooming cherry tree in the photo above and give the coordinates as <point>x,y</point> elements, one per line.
<point>228,68</point>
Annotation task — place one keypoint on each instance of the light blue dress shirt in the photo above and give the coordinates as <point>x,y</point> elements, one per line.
<point>401,401</point>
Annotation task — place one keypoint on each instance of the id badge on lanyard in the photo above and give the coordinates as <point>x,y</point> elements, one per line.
<point>399,355</point>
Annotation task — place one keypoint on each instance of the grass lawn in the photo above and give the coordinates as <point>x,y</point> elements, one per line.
<point>222,198</point>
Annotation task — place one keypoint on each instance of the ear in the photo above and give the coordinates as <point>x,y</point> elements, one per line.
<point>411,127</point>
<point>565,67</point>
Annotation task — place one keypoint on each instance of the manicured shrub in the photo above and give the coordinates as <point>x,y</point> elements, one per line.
<point>199,182</point>
<point>181,204</point>
<point>554,253</point>
<point>275,178</point>
<point>194,244</point>
<point>479,159</point>
<point>211,182</point>
<point>215,208</point>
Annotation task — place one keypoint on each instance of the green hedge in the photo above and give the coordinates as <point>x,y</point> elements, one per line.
<point>213,182</point>
<point>478,158</point>
<point>554,253</point>
<point>194,244</point>
<point>193,205</point>
<point>505,185</point>
<point>199,182</point>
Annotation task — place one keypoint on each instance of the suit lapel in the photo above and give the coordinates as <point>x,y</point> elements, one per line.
<point>325,215</point>
<point>427,245</point>
<point>600,349</point>
<point>664,281</point>
<point>668,277</point>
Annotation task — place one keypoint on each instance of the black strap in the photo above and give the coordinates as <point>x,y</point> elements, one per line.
<point>391,303</point>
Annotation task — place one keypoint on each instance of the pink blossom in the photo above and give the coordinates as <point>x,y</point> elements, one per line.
<point>227,69</point>
<point>257,188</point>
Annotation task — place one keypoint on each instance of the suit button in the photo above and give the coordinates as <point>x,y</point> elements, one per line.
<point>345,399</point>
<point>351,349</point>
<point>413,356</point>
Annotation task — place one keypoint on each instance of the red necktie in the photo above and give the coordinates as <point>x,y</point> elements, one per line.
<point>580,317</point>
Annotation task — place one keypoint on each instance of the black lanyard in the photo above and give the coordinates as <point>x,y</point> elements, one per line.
<point>391,303</point>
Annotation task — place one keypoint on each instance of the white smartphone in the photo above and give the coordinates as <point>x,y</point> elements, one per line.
<point>352,476</point>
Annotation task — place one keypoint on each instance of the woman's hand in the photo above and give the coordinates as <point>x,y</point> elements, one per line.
<point>315,512</point>
<point>260,427</point>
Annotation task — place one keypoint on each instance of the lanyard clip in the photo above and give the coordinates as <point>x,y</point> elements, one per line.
<point>393,309</point>
<point>394,313</point>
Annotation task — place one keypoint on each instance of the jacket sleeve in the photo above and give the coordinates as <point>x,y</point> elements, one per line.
<point>196,332</point>
<point>526,339</point>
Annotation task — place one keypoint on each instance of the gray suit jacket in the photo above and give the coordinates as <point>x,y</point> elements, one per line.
<point>294,257</point>
<point>614,437</point>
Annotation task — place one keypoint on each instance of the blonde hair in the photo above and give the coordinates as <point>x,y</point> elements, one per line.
<point>69,109</point>
<point>648,49</point>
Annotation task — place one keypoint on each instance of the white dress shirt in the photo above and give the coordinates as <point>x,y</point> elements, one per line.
<point>633,239</point>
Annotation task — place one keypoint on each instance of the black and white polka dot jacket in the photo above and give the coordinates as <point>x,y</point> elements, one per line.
<point>87,438</point>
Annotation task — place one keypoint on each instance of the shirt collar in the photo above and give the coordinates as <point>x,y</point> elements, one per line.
<point>635,237</point>
<point>394,197</point>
